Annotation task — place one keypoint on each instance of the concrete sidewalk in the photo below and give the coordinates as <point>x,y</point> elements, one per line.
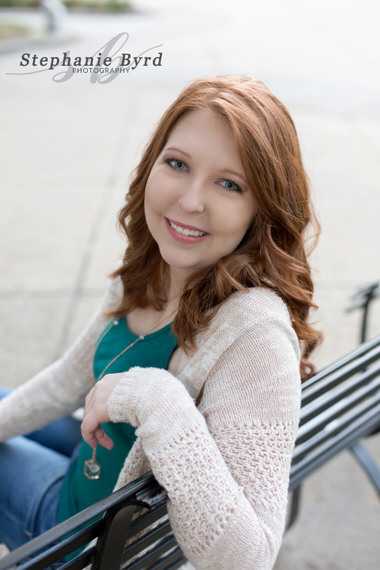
<point>68,148</point>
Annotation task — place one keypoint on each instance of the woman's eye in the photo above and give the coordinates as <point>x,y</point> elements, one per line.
<point>231,186</point>
<point>176,164</point>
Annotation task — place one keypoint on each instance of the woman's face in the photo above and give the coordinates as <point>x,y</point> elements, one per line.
<point>198,206</point>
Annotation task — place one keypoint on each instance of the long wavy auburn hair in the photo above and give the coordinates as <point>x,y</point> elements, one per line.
<point>272,253</point>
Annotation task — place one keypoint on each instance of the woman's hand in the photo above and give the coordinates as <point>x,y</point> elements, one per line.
<point>95,411</point>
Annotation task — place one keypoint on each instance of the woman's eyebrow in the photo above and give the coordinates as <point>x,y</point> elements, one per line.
<point>234,173</point>
<point>178,150</point>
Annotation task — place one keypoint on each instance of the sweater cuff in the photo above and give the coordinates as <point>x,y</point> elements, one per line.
<point>145,394</point>
<point>122,402</point>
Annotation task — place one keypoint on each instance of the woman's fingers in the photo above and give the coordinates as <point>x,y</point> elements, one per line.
<point>93,433</point>
<point>103,439</point>
<point>95,412</point>
<point>88,429</point>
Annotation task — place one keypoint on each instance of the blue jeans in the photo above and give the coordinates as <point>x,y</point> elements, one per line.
<point>32,470</point>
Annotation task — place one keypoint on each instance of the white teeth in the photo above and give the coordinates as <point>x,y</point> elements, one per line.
<point>185,231</point>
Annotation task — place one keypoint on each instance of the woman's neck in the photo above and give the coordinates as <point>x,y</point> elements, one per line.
<point>176,282</point>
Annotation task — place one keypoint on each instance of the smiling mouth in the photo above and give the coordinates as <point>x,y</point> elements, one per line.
<point>186,231</point>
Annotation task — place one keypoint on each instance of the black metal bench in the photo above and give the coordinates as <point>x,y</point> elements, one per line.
<point>340,406</point>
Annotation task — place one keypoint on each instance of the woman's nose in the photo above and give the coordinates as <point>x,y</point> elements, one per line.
<point>192,199</point>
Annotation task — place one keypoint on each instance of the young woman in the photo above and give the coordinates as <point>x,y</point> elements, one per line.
<point>191,367</point>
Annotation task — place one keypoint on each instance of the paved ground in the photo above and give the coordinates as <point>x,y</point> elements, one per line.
<point>68,147</point>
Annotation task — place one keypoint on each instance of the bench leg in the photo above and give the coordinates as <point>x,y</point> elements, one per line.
<point>295,502</point>
<point>367,462</point>
<point>111,544</point>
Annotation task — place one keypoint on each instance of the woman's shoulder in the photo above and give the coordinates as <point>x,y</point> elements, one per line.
<point>255,313</point>
<point>248,313</point>
<point>255,304</point>
<point>249,323</point>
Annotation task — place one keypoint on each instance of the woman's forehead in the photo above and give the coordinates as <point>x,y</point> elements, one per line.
<point>203,128</point>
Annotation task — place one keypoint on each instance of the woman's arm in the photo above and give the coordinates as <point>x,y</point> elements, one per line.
<point>61,387</point>
<point>225,465</point>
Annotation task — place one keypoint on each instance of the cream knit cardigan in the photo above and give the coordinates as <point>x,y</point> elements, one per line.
<point>225,464</point>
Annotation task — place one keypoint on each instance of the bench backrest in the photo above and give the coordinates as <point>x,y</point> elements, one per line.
<point>340,405</point>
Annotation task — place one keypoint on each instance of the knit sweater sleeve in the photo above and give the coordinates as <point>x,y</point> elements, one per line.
<point>225,464</point>
<point>60,388</point>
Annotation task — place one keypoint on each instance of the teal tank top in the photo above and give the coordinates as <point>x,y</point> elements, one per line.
<point>155,350</point>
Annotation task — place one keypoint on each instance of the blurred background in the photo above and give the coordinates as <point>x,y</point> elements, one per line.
<point>69,143</point>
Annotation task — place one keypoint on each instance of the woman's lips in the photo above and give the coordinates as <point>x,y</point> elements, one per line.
<point>184,233</point>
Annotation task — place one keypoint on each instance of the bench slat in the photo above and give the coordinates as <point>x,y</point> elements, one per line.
<point>332,429</point>
<point>318,388</point>
<point>147,559</point>
<point>357,353</point>
<point>147,540</point>
<point>364,425</point>
<point>334,408</point>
